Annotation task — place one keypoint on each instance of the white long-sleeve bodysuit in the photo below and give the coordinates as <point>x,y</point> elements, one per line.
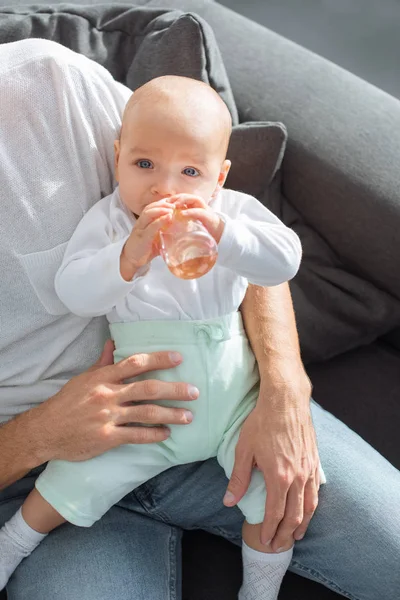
<point>255,247</point>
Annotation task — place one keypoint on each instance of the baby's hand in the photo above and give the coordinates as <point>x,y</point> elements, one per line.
<point>140,248</point>
<point>195,207</point>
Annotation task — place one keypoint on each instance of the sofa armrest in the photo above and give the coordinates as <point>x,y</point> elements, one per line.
<point>342,161</point>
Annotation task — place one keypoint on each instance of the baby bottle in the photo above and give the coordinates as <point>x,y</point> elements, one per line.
<point>187,248</point>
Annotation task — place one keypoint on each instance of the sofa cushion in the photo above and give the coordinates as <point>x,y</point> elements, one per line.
<point>361,388</point>
<point>337,307</point>
<point>134,43</point>
<point>256,151</point>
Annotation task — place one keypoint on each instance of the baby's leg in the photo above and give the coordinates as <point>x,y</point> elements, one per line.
<point>81,491</point>
<point>24,532</point>
<point>39,514</point>
<point>263,570</point>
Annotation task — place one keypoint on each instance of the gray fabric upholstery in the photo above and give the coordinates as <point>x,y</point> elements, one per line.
<point>362,389</point>
<point>337,308</point>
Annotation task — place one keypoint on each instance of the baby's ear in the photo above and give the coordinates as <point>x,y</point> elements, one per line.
<point>226,165</point>
<point>223,174</point>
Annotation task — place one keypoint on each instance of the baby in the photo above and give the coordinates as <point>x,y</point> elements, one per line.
<point>171,153</point>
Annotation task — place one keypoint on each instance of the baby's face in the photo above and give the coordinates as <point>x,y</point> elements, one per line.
<point>159,157</point>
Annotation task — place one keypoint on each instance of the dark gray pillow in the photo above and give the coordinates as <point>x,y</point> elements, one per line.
<point>134,43</point>
<point>337,308</point>
<point>256,150</point>
<point>339,304</point>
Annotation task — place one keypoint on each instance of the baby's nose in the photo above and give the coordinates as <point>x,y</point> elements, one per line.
<point>164,188</point>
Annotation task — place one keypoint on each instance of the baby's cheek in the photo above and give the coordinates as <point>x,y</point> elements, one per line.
<point>204,189</point>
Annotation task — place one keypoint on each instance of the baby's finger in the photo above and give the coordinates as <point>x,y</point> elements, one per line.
<point>204,216</point>
<point>188,200</point>
<point>149,215</point>
<point>154,227</point>
<point>163,202</point>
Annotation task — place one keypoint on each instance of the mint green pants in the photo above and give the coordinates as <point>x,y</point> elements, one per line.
<point>219,362</point>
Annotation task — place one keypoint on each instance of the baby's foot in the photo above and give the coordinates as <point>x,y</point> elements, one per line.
<point>263,573</point>
<point>17,541</point>
<point>11,554</point>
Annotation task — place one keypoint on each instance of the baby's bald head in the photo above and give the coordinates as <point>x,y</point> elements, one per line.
<point>174,138</point>
<point>187,106</point>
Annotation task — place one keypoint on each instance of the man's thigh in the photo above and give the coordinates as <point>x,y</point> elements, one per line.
<point>125,555</point>
<point>189,497</point>
<point>353,542</point>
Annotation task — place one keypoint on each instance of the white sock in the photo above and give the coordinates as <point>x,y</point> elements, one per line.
<point>17,540</point>
<point>263,573</point>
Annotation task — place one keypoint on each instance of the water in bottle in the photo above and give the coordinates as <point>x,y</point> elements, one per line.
<point>187,248</point>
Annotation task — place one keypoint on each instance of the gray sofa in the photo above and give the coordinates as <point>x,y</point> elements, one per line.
<point>337,187</point>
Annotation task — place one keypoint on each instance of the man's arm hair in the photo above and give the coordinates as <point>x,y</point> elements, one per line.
<point>20,447</point>
<point>270,322</point>
<point>270,325</point>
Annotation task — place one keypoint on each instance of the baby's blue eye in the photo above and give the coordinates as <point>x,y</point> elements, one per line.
<point>144,164</point>
<point>191,172</point>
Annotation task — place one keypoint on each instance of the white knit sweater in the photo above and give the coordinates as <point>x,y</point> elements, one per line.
<point>59,116</point>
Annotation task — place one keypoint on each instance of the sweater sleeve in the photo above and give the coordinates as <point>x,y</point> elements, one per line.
<point>89,281</point>
<point>257,245</point>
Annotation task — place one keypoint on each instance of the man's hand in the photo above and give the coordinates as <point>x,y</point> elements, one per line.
<point>89,414</point>
<point>280,441</point>
<point>194,207</point>
<point>278,435</point>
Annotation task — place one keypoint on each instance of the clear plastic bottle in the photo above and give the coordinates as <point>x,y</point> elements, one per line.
<point>187,248</point>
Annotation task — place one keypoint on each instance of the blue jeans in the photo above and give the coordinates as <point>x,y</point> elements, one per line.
<point>133,553</point>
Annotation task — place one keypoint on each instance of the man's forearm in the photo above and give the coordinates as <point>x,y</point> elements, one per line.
<point>19,452</point>
<point>271,328</point>
<point>270,323</point>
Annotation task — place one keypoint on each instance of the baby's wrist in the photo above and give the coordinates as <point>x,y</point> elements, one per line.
<point>127,265</point>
